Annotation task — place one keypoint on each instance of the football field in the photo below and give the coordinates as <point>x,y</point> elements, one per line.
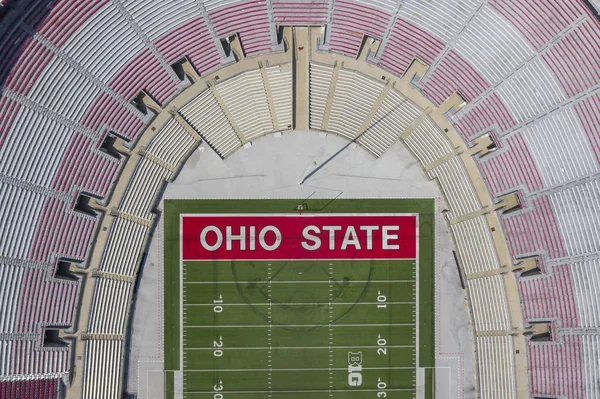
<point>298,328</point>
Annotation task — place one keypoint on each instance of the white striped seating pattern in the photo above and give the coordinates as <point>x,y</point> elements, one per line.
<point>591,364</point>
<point>245,97</point>
<point>488,301</point>
<point>207,117</point>
<point>47,362</point>
<point>290,12</point>
<point>320,84</point>
<point>18,215</point>
<point>457,187</point>
<point>395,115</point>
<point>578,219</point>
<point>496,367</point>
<point>475,247</point>
<point>353,99</point>
<point>586,276</point>
<point>428,143</point>
<point>157,18</point>
<point>102,358</point>
<point>280,83</point>
<point>110,306</point>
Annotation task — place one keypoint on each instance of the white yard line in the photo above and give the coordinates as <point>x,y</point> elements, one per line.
<point>310,391</point>
<point>298,282</point>
<point>305,347</point>
<point>301,303</point>
<point>270,360</point>
<point>307,325</point>
<point>330,330</point>
<point>297,369</point>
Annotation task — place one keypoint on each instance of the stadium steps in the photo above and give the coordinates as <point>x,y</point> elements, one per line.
<point>153,158</point>
<point>132,218</point>
<point>112,276</point>
<point>334,78</point>
<point>101,337</point>
<point>269,92</point>
<point>405,134</point>
<point>228,115</point>
<point>185,125</point>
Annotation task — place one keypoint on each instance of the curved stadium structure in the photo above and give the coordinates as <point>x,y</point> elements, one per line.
<point>103,102</point>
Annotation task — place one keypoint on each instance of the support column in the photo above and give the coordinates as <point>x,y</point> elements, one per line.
<point>300,63</point>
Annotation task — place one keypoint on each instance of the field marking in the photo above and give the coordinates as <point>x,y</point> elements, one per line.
<point>307,325</point>
<point>330,330</point>
<point>269,359</point>
<point>304,347</point>
<point>300,303</point>
<point>297,282</point>
<point>299,369</point>
<point>311,391</point>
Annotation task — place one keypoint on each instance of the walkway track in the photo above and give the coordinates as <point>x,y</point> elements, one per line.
<point>405,88</point>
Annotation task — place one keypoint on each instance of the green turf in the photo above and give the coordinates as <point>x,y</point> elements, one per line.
<point>277,318</point>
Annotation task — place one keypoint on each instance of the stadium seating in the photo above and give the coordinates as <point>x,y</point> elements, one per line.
<point>585,277</point>
<point>206,116</point>
<point>353,99</point>
<point>394,115</point>
<point>351,21</point>
<point>556,368</point>
<point>245,97</point>
<point>42,389</point>
<point>249,19</point>
<point>550,298</point>
<point>475,246</point>
<point>528,70</point>
<point>497,367</point>
<point>457,187</point>
<point>292,12</point>
<point>121,258</point>
<point>488,299</point>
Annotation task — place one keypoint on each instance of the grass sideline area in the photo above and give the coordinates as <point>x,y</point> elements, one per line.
<point>303,309</point>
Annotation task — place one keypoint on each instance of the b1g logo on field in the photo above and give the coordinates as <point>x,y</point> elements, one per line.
<point>354,369</point>
<point>295,237</point>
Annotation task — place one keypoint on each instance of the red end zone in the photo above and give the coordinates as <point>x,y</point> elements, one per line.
<point>294,237</point>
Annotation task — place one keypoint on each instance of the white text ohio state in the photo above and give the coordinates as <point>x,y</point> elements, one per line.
<point>289,237</point>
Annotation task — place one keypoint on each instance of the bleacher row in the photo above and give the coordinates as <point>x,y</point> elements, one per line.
<point>127,240</point>
<point>103,53</point>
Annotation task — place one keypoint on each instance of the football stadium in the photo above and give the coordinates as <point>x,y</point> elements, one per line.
<point>290,199</point>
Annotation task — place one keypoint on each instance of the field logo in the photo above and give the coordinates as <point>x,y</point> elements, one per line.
<point>294,237</point>
<point>354,369</point>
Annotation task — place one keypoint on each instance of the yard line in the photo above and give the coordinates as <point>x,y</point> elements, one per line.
<point>330,330</point>
<point>300,303</point>
<point>300,369</point>
<point>270,360</point>
<point>307,325</point>
<point>303,347</point>
<point>297,282</point>
<point>310,391</point>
